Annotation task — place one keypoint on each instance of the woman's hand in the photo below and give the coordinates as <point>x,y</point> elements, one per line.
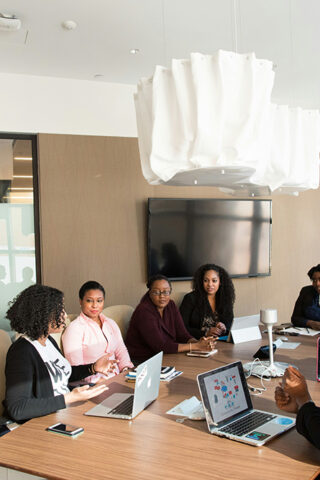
<point>205,343</point>
<point>218,330</point>
<point>105,365</point>
<point>313,324</point>
<point>81,394</point>
<point>284,401</point>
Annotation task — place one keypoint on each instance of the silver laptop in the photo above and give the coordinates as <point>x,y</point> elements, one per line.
<point>228,408</point>
<point>127,405</point>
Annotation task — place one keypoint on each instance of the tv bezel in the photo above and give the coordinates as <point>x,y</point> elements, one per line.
<point>183,279</point>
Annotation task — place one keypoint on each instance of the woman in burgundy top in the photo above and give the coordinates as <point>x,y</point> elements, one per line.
<point>156,325</point>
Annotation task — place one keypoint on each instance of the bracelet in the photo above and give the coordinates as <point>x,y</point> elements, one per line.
<point>125,369</point>
<point>93,370</point>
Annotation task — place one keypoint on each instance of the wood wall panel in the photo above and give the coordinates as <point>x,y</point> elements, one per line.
<point>93,226</point>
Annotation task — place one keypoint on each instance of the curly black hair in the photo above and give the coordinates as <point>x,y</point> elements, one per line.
<point>34,309</point>
<point>312,270</point>
<point>225,296</point>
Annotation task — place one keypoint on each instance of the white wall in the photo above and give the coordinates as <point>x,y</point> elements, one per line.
<point>33,104</point>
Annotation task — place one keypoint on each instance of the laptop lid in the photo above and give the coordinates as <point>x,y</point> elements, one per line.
<point>225,394</point>
<point>244,329</point>
<point>147,383</point>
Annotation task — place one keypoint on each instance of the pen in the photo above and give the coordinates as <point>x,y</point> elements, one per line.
<point>307,330</point>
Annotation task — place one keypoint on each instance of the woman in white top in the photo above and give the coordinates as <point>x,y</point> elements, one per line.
<point>37,375</point>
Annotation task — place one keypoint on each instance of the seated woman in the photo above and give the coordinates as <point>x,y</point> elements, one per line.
<point>293,396</point>
<point>92,334</point>
<point>156,325</point>
<point>208,309</point>
<point>306,311</point>
<point>37,375</point>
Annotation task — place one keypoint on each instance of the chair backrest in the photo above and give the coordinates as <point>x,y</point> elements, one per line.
<point>121,314</point>
<point>177,297</point>
<point>57,336</point>
<point>5,343</point>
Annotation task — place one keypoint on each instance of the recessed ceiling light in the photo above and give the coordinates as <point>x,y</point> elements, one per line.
<point>9,22</point>
<point>134,51</point>
<point>69,25</point>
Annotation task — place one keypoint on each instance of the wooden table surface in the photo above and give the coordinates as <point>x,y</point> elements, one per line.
<point>155,446</point>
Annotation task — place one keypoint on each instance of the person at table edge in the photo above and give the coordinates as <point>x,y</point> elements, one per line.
<point>306,311</point>
<point>293,396</point>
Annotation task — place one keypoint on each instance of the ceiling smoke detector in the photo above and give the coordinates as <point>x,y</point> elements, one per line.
<point>9,23</point>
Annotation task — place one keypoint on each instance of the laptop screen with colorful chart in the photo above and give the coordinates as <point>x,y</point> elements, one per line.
<point>228,408</point>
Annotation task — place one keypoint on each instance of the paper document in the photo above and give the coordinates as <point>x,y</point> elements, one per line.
<point>289,345</point>
<point>302,331</point>
<point>186,407</point>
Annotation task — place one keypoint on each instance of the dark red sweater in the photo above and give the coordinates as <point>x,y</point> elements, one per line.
<point>149,334</point>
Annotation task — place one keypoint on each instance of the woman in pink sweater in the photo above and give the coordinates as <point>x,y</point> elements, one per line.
<point>92,334</point>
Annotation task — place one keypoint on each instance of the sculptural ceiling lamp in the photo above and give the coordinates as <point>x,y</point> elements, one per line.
<point>210,121</point>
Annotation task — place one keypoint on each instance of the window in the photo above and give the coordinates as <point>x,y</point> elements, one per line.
<point>19,219</point>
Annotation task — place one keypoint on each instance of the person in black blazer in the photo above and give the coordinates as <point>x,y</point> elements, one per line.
<point>293,396</point>
<point>306,311</point>
<point>37,375</point>
<point>208,309</point>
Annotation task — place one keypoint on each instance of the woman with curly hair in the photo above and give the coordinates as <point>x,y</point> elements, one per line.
<point>37,375</point>
<point>208,309</point>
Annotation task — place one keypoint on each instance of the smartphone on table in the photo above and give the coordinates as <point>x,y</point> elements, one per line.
<point>65,429</point>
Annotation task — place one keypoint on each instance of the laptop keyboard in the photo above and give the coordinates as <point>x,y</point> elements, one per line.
<point>124,408</point>
<point>248,423</point>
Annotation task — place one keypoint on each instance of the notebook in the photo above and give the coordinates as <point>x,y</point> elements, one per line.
<point>229,411</point>
<point>127,405</point>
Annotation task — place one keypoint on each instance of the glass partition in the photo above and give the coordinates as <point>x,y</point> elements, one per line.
<point>19,239</point>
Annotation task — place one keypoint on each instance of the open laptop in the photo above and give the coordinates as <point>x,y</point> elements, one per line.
<point>229,411</point>
<point>127,405</point>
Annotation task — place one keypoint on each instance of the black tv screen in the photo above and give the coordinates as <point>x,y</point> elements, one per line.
<point>186,233</point>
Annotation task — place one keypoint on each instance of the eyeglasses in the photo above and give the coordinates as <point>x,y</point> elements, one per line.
<point>157,293</point>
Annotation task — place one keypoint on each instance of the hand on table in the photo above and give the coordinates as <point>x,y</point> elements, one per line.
<point>80,394</point>
<point>313,324</point>
<point>205,343</point>
<point>218,330</point>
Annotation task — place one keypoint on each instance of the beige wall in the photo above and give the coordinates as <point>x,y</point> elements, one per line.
<point>93,226</point>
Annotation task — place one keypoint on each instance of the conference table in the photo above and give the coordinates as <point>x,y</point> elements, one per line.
<point>154,445</point>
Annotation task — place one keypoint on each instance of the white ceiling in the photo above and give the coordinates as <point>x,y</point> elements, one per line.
<point>284,31</point>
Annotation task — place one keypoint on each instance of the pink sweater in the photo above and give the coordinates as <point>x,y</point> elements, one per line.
<point>84,342</point>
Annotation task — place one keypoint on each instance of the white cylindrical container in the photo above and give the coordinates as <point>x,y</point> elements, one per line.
<point>269,316</point>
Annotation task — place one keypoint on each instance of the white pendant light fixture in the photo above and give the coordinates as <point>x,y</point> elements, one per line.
<point>210,121</point>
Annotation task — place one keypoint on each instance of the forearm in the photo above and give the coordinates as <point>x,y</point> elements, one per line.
<point>20,409</point>
<point>308,423</point>
<point>80,371</point>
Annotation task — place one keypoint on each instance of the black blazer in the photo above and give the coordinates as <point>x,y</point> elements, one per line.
<point>29,391</point>
<point>193,316</point>
<point>304,300</point>
<point>308,423</point>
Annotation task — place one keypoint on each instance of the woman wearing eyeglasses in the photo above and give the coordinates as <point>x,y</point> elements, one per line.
<point>156,325</point>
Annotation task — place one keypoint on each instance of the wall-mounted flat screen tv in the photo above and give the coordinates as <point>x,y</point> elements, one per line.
<point>186,233</point>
